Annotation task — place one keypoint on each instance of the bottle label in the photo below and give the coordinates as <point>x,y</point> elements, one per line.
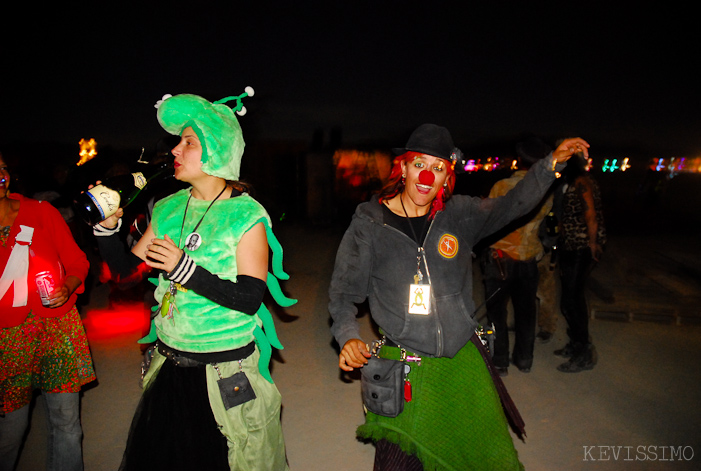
<point>106,200</point>
<point>139,180</point>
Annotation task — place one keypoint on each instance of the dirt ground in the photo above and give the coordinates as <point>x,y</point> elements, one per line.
<point>643,394</point>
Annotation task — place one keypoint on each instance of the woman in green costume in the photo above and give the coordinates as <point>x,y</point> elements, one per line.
<point>431,401</point>
<point>209,401</point>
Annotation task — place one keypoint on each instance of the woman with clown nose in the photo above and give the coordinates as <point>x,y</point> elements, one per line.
<point>432,397</point>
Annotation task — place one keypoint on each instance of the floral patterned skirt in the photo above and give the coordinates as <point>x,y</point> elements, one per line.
<point>50,354</point>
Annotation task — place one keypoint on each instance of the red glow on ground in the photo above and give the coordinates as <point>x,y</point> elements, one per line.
<point>140,273</point>
<point>118,320</point>
<point>105,274</point>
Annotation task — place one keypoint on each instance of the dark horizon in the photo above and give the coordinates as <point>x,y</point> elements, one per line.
<point>616,76</point>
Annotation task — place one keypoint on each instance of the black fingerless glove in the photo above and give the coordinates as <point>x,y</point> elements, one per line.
<point>244,295</point>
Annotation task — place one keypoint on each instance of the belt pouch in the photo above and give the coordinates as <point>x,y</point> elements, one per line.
<point>382,386</point>
<point>235,390</point>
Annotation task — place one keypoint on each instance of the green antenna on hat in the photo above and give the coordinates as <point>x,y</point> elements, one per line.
<point>239,108</point>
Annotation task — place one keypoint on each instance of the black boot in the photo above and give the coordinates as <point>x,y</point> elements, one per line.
<point>583,360</point>
<point>567,351</point>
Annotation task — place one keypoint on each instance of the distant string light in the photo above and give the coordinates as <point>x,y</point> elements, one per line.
<point>673,165</point>
<point>470,166</point>
<point>490,165</point>
<point>676,165</point>
<point>674,168</point>
<point>611,165</point>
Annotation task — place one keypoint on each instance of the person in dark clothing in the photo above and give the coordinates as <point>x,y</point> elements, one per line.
<point>583,235</point>
<point>512,268</point>
<point>426,384</point>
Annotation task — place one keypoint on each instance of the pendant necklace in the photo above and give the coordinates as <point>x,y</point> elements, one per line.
<point>419,292</point>
<point>419,276</point>
<point>194,240</point>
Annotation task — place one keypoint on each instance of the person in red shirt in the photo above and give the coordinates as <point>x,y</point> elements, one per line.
<point>42,339</point>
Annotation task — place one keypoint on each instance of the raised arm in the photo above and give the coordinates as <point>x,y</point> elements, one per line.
<point>123,265</point>
<point>569,147</point>
<point>494,213</point>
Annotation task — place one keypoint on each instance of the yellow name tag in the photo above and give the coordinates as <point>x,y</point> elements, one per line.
<point>419,299</point>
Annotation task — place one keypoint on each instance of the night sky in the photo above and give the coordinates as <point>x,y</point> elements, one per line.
<point>624,78</point>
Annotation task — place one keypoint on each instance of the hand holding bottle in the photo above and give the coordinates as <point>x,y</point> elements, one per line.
<point>101,200</point>
<point>112,221</point>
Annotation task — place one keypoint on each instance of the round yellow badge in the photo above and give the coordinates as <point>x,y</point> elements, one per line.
<point>448,246</point>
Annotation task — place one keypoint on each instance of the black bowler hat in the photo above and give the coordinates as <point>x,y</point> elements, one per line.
<point>432,140</point>
<point>531,149</point>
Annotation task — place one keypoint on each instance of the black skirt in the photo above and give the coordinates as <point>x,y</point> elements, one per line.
<point>174,427</point>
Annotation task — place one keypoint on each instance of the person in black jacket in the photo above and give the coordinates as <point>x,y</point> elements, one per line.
<point>408,252</point>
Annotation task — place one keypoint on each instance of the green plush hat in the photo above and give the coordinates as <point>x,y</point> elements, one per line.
<point>214,123</point>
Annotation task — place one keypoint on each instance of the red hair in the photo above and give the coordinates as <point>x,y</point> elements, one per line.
<point>395,183</point>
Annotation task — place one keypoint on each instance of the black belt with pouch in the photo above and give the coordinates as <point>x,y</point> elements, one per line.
<point>236,389</point>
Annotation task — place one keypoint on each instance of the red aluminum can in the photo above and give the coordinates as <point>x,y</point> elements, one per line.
<point>45,285</point>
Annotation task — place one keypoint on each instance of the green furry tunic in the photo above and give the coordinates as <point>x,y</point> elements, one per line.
<point>200,325</point>
<point>454,421</point>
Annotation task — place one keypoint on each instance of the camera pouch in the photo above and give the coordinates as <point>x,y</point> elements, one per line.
<point>382,386</point>
<point>235,390</point>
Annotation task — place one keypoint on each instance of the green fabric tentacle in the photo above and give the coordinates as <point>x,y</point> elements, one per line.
<point>266,353</point>
<point>269,326</point>
<point>152,336</point>
<point>276,292</point>
<point>277,254</point>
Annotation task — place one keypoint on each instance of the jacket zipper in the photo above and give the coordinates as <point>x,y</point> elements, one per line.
<point>439,328</point>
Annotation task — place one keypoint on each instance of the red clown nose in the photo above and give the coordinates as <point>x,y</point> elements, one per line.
<point>426,177</point>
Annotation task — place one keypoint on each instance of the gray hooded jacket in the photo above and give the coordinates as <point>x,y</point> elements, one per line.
<point>378,262</point>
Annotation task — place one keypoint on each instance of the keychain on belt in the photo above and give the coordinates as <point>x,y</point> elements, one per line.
<point>407,383</point>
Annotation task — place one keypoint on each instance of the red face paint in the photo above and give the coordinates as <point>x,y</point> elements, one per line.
<point>426,177</point>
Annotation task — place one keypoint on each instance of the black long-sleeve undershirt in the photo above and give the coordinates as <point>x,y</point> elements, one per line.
<point>245,295</point>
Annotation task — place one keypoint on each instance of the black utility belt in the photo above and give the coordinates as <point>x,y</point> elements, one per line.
<point>196,359</point>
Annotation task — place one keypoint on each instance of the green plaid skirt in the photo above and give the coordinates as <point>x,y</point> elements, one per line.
<point>454,421</point>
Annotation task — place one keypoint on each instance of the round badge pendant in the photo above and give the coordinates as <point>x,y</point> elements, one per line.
<point>448,246</point>
<point>193,241</point>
